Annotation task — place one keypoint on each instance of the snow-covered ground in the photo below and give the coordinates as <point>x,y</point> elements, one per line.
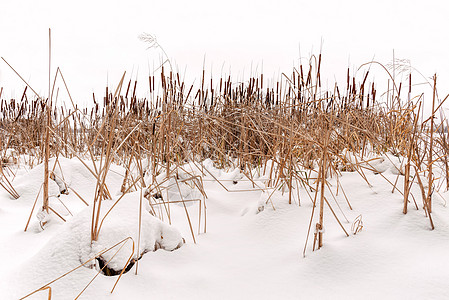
<point>251,250</point>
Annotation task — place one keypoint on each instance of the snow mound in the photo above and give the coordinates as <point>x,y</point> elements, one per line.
<point>72,246</point>
<point>78,176</point>
<point>123,222</point>
<point>65,174</point>
<point>29,185</point>
<point>377,163</point>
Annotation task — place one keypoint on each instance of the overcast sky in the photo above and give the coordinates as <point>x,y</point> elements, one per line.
<point>93,42</point>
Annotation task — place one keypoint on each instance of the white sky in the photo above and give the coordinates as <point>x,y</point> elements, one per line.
<point>94,41</point>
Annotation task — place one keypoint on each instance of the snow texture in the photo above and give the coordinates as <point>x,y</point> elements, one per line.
<point>247,253</point>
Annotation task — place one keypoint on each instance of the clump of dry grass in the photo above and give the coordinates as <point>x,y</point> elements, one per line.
<point>290,130</point>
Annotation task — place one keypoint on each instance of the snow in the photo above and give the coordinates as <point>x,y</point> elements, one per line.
<point>251,250</point>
